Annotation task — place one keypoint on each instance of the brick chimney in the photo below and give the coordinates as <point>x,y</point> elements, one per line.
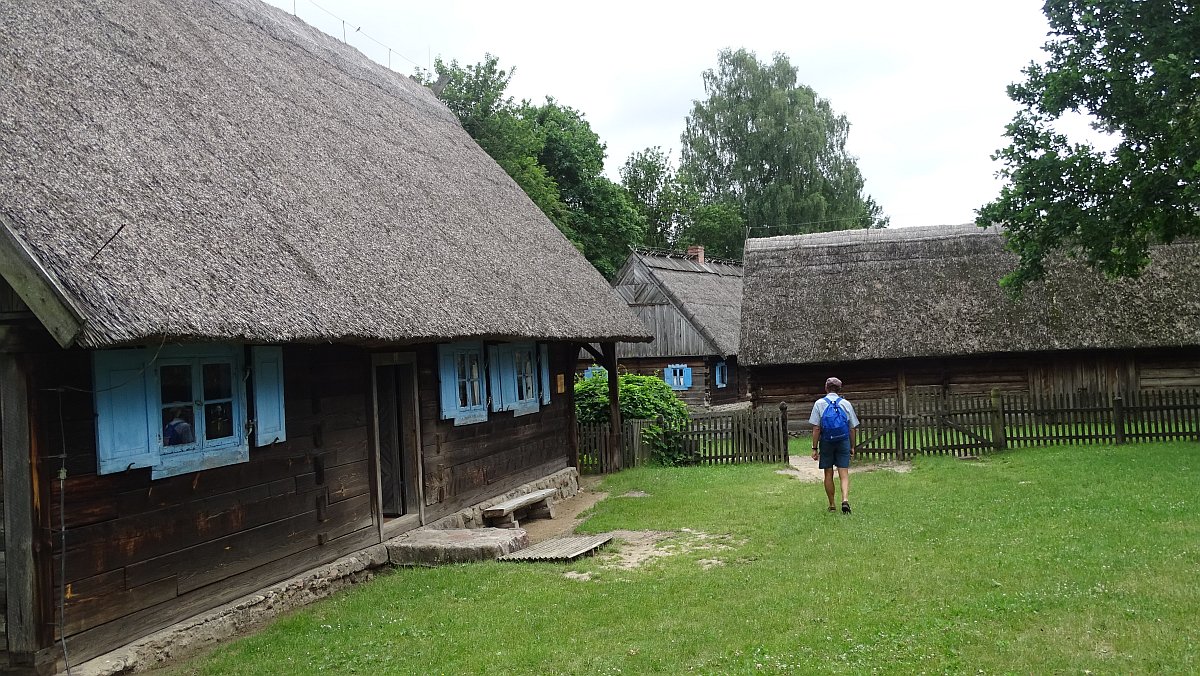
<point>696,251</point>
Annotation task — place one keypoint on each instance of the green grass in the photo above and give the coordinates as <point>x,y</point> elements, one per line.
<point>1055,560</point>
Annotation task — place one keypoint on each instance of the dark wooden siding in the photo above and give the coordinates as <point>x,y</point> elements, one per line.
<point>141,554</point>
<point>467,464</point>
<point>697,396</point>
<point>1106,373</point>
<point>673,333</point>
<point>737,383</point>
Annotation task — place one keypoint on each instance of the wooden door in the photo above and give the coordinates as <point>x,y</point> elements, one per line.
<point>396,438</point>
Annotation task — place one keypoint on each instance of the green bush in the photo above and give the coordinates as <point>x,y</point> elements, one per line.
<point>642,397</point>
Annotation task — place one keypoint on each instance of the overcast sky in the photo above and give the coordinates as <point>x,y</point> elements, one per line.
<point>922,82</point>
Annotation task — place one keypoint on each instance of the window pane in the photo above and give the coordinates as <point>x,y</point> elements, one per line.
<point>175,383</point>
<point>177,426</point>
<point>218,420</point>
<point>218,382</point>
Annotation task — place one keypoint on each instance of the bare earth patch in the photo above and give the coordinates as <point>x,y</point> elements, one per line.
<point>804,468</point>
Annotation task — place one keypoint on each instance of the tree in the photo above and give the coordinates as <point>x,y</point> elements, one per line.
<point>476,95</point>
<point>774,149</point>
<point>604,220</point>
<point>551,151</point>
<point>1134,66</point>
<point>658,194</point>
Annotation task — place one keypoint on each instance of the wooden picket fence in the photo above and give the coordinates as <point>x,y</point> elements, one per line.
<point>750,435</point>
<point>967,426</point>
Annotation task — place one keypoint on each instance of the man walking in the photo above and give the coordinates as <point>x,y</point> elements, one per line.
<point>833,435</point>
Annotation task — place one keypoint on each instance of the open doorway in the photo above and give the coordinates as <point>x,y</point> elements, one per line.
<point>397,460</point>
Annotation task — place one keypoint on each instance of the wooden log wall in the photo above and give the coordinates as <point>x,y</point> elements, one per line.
<point>141,554</point>
<point>1094,373</point>
<point>697,396</point>
<point>737,383</point>
<point>466,464</point>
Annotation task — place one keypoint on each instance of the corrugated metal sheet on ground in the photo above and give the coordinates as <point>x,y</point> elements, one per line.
<point>560,549</point>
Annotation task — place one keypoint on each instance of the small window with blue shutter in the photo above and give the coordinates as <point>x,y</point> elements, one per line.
<point>462,371</point>
<point>544,371</point>
<point>182,408</point>
<point>720,374</point>
<point>514,377</point>
<point>678,376</point>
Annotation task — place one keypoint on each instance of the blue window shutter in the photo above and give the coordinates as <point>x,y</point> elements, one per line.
<point>687,377</point>
<point>544,368</point>
<point>508,377</point>
<point>269,421</point>
<point>448,374</point>
<point>127,415</point>
<point>667,377</point>
<point>496,391</point>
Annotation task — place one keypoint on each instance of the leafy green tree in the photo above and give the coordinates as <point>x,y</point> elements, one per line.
<point>772,147</point>
<point>476,95</point>
<point>604,220</point>
<point>1135,67</point>
<point>641,397</point>
<point>719,227</point>
<point>658,194</point>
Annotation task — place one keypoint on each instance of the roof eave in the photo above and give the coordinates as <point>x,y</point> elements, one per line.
<point>49,300</point>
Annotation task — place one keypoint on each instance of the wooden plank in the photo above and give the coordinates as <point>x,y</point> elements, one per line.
<point>38,287</point>
<point>110,635</point>
<point>508,506</point>
<point>23,619</point>
<point>560,549</point>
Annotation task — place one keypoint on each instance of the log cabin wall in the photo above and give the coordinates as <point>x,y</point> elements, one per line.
<point>737,383</point>
<point>1107,373</point>
<point>697,396</point>
<point>142,554</point>
<point>466,464</point>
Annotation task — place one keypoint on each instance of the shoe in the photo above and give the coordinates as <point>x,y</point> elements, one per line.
<point>845,507</point>
<point>832,508</point>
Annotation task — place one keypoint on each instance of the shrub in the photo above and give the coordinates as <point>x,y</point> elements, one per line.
<point>642,397</point>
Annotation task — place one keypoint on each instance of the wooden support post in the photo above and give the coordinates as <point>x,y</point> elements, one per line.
<point>999,438</point>
<point>1119,420</point>
<point>609,352</point>
<point>21,573</point>
<point>783,424</point>
<point>900,436</point>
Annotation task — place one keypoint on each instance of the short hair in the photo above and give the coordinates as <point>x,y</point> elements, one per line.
<point>833,385</point>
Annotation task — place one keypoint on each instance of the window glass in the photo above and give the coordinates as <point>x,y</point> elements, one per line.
<point>218,420</point>
<point>176,384</point>
<point>178,425</point>
<point>470,380</point>
<point>218,381</point>
<point>523,361</point>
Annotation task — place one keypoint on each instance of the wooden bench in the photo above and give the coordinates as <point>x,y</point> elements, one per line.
<point>538,504</point>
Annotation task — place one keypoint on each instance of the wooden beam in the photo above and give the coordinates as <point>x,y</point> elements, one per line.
<point>596,354</point>
<point>38,287</point>
<point>21,573</point>
<point>609,362</point>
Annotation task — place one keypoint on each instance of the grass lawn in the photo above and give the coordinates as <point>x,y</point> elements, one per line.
<point>1033,561</point>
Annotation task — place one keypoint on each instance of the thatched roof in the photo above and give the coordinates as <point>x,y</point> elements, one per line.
<point>261,181</point>
<point>707,294</point>
<point>933,291</point>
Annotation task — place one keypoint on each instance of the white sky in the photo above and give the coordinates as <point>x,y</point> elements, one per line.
<point>922,82</point>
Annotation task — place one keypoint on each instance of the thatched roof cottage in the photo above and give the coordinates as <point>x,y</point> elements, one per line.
<point>691,305</point>
<point>920,310</point>
<point>264,302</point>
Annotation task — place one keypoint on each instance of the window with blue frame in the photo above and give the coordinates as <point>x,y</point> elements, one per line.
<point>721,374</point>
<point>678,376</point>
<point>464,399</point>
<point>182,408</point>
<point>517,380</point>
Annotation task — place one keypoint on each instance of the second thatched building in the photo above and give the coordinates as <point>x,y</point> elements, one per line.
<point>919,311</point>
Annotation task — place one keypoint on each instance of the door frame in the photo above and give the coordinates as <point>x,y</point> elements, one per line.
<point>396,525</point>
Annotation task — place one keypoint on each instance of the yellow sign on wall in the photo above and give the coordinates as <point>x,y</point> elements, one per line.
<point>562,383</point>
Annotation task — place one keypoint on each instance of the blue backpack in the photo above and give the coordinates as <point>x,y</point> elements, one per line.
<point>835,426</point>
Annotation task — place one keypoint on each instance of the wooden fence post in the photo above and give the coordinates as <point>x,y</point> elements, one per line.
<point>783,425</point>
<point>999,440</point>
<point>1119,419</point>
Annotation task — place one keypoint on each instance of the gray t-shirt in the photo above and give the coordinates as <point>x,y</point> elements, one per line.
<point>823,403</point>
